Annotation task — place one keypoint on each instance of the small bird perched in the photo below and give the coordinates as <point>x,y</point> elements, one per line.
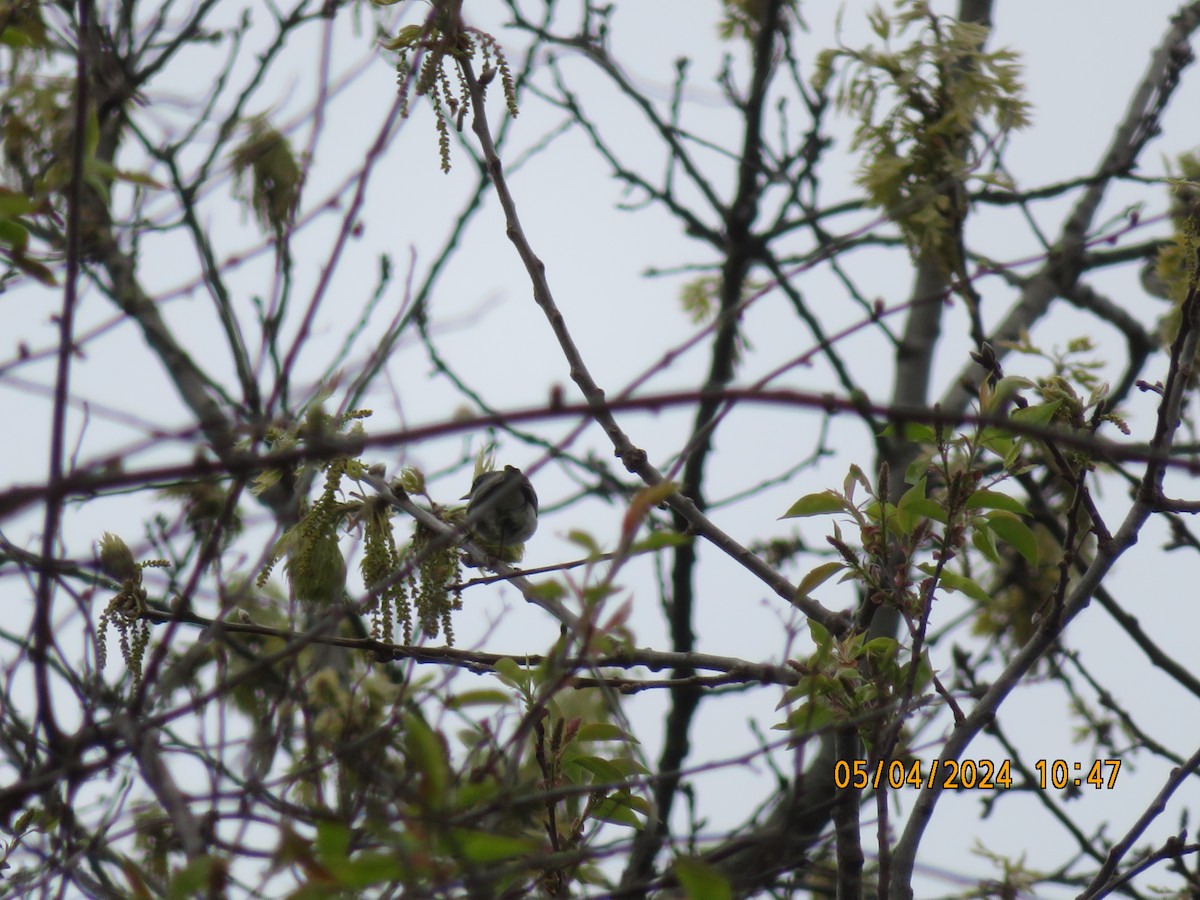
<point>508,509</point>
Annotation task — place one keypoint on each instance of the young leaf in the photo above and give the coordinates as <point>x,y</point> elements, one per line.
<point>511,673</point>
<point>603,731</point>
<point>820,504</point>
<point>14,234</point>
<point>488,847</point>
<point>643,501</point>
<point>985,542</point>
<point>701,881</point>
<point>1039,415</point>
<point>912,432</point>
<point>952,581</point>
<point>913,494</point>
<point>854,477</point>
<point>603,771</point>
<point>479,697</point>
<point>995,500</point>
<point>618,809</point>
<point>1012,530</point>
<point>819,633</point>
<point>812,716</point>
<point>817,577</point>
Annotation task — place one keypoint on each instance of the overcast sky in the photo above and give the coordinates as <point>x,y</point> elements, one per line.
<point>1082,60</point>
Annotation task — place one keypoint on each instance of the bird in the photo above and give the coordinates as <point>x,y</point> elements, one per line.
<point>504,508</point>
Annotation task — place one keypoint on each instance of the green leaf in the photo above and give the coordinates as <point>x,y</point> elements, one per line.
<point>820,634</point>
<point>794,693</point>
<point>900,522</point>
<point>628,766</point>
<point>661,540</point>
<point>512,674</point>
<point>913,432</point>
<point>603,731</point>
<point>913,494</point>
<point>880,23</point>
<point>880,511</point>
<point>91,136</point>
<point>1012,530</point>
<point>1005,388</point>
<point>138,178</point>
<point>595,593</point>
<point>549,590</point>
<point>917,468</point>
<point>603,771</point>
<point>1038,416</point>
<point>952,581</point>
<point>821,504</point>
<point>13,234</point>
<point>882,650</point>
<point>985,542</point>
<point>1011,458</point>
<point>618,809</point>
<point>480,697</point>
<point>998,441</point>
<point>13,203</point>
<point>196,878</point>
<point>700,880</point>
<point>367,869</point>
<point>426,755</point>
<point>585,541</point>
<point>98,174</point>
<point>407,37</point>
<point>488,846</point>
<point>473,794</point>
<point>34,269</point>
<point>12,37</point>
<point>924,673</point>
<point>855,477</point>
<point>927,509</point>
<point>848,675</point>
<point>333,841</point>
<point>817,577</point>
<point>995,500</point>
<point>812,716</point>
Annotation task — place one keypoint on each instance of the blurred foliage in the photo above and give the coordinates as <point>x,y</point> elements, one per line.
<point>266,161</point>
<point>430,51</point>
<point>1175,267</point>
<point>125,612</point>
<point>917,105</point>
<point>743,18</point>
